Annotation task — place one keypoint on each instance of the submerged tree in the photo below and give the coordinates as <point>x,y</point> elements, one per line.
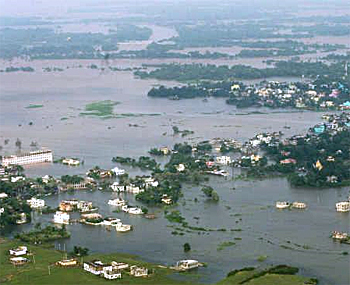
<point>187,247</point>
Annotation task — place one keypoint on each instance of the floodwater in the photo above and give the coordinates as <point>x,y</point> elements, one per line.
<point>250,207</point>
<point>298,237</point>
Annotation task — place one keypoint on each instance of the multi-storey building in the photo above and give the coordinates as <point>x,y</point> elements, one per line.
<point>38,156</point>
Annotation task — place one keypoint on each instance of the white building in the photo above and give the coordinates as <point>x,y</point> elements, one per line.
<point>117,202</point>
<point>299,205</point>
<point>118,171</point>
<point>36,203</point>
<point>150,181</point>
<point>17,178</point>
<point>343,206</point>
<point>134,189</point>
<point>111,274</point>
<point>138,271</point>
<point>180,167</point>
<point>22,219</point>
<point>339,235</point>
<point>187,264</point>
<point>28,158</point>
<point>46,179</point>
<point>282,205</point>
<point>118,188</point>
<point>120,265</point>
<point>96,267</point>
<point>224,160</point>
<point>21,250</point>
<point>71,161</point>
<point>3,195</point>
<point>166,200</point>
<point>61,218</point>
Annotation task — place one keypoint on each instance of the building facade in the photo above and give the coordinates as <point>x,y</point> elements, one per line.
<point>39,156</point>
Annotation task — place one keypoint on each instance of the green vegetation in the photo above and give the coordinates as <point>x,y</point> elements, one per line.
<point>280,274</point>
<point>174,217</point>
<point>44,43</point>
<point>34,106</point>
<point>210,193</point>
<point>224,244</point>
<point>243,96</point>
<point>103,109</point>
<point>16,69</point>
<point>37,273</point>
<point>144,162</point>
<point>187,247</point>
<point>321,159</point>
<point>80,251</point>
<point>197,72</point>
<point>262,258</point>
<point>41,235</point>
<point>68,179</point>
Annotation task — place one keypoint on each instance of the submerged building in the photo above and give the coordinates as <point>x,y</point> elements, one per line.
<point>32,157</point>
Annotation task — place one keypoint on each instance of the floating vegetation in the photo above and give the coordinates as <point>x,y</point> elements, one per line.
<point>34,106</point>
<point>224,244</point>
<point>262,258</point>
<point>104,110</point>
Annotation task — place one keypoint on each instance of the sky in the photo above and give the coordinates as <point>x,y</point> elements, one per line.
<point>49,8</point>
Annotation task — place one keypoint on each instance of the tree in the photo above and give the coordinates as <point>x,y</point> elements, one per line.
<point>80,251</point>
<point>187,247</point>
<point>208,191</point>
<point>18,144</point>
<point>215,196</point>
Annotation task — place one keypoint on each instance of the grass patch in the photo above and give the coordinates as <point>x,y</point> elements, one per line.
<point>37,273</point>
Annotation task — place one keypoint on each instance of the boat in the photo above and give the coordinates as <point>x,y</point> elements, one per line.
<point>343,206</point>
<point>299,205</point>
<point>117,202</point>
<point>282,205</point>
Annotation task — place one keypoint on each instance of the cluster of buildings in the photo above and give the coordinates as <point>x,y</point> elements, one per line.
<point>287,205</point>
<point>35,203</point>
<point>138,186</point>
<point>343,206</point>
<point>301,96</point>
<point>17,255</point>
<point>75,205</point>
<point>114,269</point>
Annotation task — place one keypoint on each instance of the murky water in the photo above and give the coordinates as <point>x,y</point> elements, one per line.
<point>249,207</point>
